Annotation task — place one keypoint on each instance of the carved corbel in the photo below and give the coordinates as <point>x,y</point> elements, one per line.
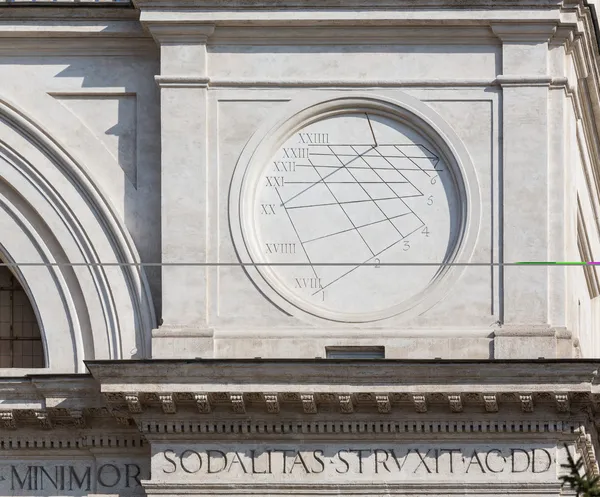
<point>202,403</point>
<point>562,402</point>
<point>420,403</point>
<point>237,403</point>
<point>44,419</point>
<point>383,403</point>
<point>455,402</point>
<point>168,403</point>
<point>491,402</point>
<point>308,403</point>
<point>526,402</point>
<point>272,402</point>
<point>78,418</point>
<point>133,403</point>
<point>8,420</point>
<point>346,405</point>
<point>122,420</point>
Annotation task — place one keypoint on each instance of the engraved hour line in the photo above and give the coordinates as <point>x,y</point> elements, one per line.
<point>437,159</point>
<point>344,165</point>
<point>404,145</point>
<point>370,198</point>
<point>358,227</point>
<point>296,231</point>
<point>336,203</point>
<point>349,182</point>
<point>392,165</point>
<point>372,167</point>
<point>429,175</point>
<point>367,193</point>
<point>341,207</point>
<point>406,196</point>
<point>401,198</point>
<point>368,155</point>
<point>325,177</point>
<point>365,262</point>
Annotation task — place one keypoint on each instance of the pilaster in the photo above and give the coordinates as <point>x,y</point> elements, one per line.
<point>525,330</point>
<point>183,82</point>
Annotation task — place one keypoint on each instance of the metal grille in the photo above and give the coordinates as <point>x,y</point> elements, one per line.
<point>20,339</point>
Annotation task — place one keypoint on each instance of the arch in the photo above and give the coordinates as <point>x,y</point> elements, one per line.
<point>78,263</point>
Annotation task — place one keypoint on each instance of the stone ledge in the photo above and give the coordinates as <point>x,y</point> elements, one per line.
<point>349,376</point>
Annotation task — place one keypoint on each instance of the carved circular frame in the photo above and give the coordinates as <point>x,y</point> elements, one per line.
<point>305,111</point>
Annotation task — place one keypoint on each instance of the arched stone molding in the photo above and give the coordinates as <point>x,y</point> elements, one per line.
<point>94,302</point>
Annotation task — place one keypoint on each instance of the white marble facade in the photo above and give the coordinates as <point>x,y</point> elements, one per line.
<point>205,199</point>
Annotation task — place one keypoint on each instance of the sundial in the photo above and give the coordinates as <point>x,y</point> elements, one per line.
<point>350,217</point>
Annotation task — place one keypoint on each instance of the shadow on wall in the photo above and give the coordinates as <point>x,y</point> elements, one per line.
<point>117,100</point>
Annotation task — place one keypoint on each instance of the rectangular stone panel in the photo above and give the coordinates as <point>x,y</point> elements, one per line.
<point>383,462</point>
<point>353,62</point>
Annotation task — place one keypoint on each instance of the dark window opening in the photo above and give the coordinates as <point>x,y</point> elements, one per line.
<point>355,352</point>
<point>20,338</point>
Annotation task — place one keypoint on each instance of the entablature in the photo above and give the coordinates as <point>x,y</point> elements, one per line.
<point>237,389</point>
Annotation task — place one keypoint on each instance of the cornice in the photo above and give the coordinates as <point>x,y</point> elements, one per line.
<point>339,375</point>
<point>180,31</point>
<point>84,46</point>
<point>316,405</point>
<point>76,388</point>
<point>50,402</point>
<point>197,81</point>
<point>109,28</point>
<point>277,388</point>
<point>506,80</point>
<point>86,9</point>
<point>304,396</point>
<point>514,33</point>
<point>352,4</point>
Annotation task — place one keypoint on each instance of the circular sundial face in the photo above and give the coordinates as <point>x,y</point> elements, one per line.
<point>352,217</point>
